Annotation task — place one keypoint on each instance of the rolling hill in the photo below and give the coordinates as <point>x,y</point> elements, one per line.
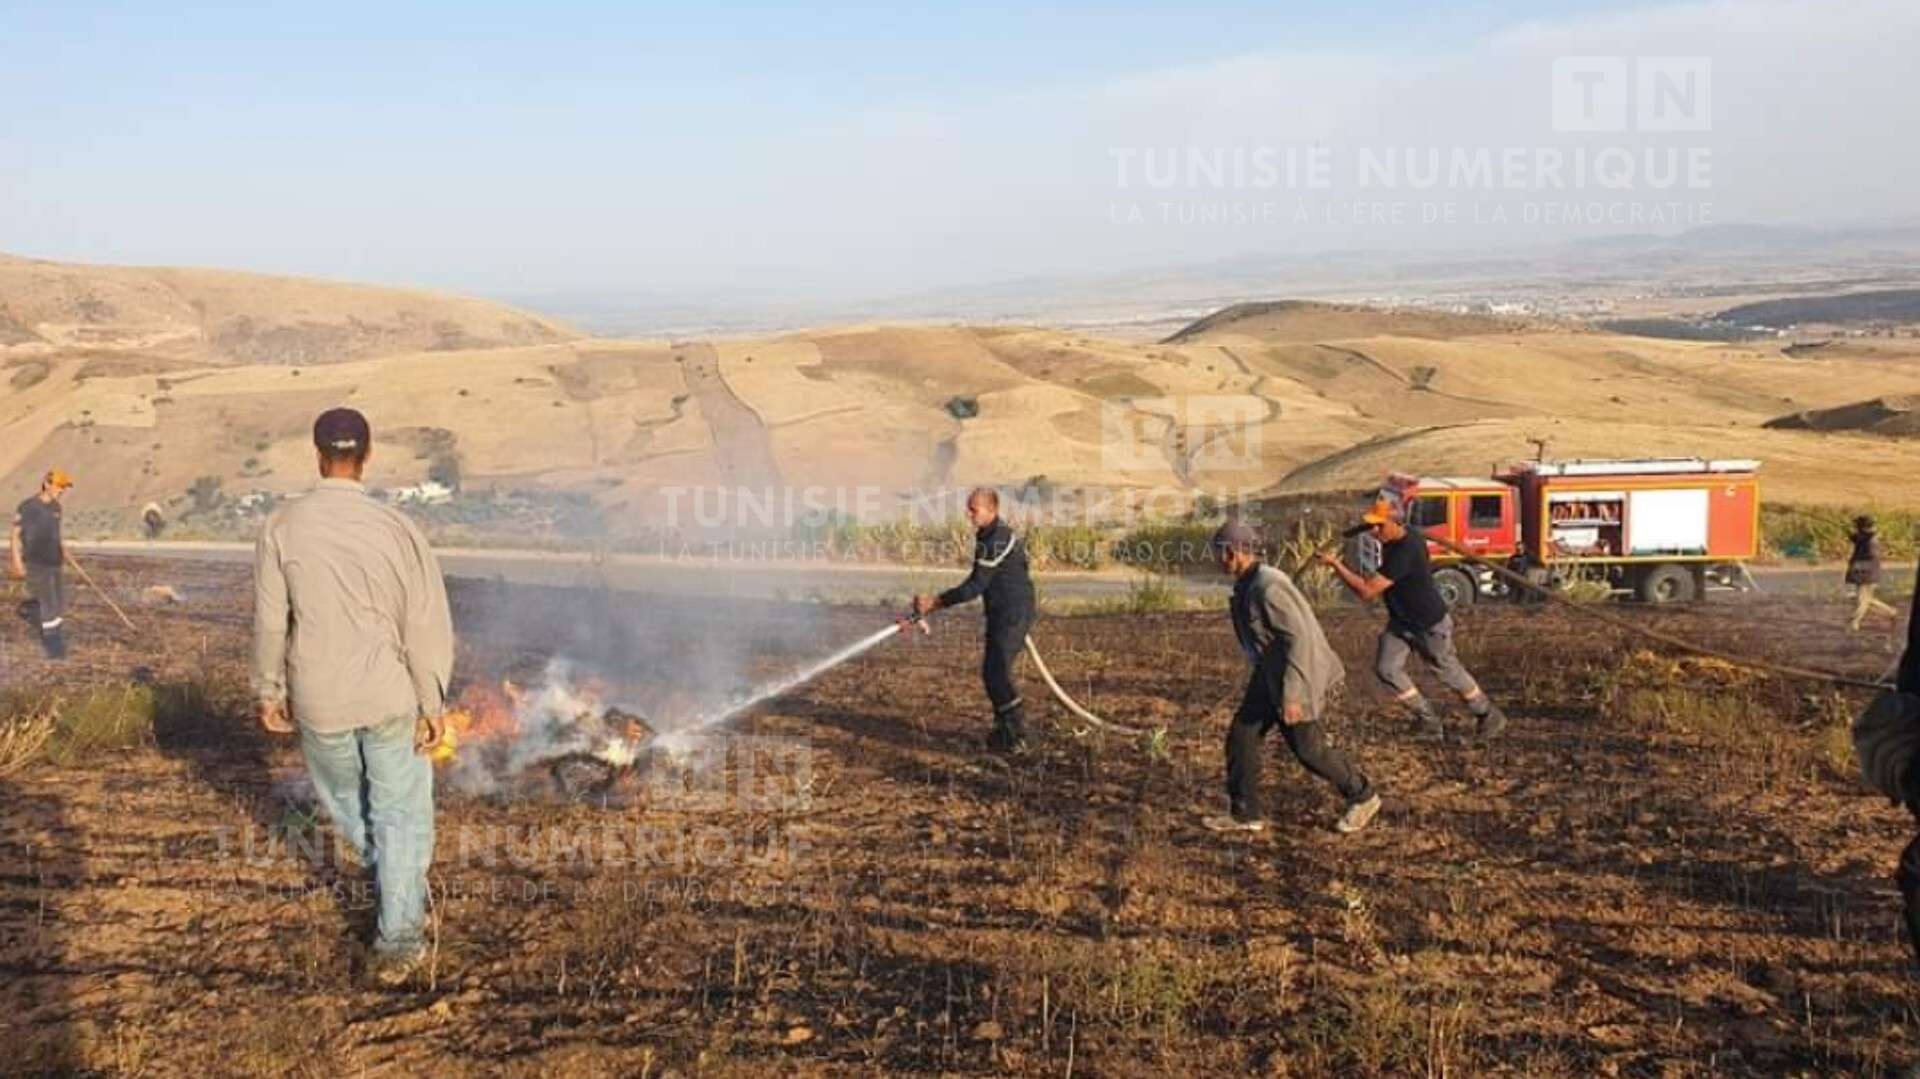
<point>161,392</point>
<point>1894,417</point>
<point>1869,306</point>
<point>160,316</point>
<point>1306,321</point>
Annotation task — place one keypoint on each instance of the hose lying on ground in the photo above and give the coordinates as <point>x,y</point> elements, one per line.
<point>1073,705</point>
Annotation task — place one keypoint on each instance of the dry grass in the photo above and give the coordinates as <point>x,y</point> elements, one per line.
<point>1660,871</point>
<point>22,737</point>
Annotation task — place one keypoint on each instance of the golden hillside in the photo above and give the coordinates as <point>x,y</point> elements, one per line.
<point>1307,321</point>
<point>155,317</point>
<point>1238,405</point>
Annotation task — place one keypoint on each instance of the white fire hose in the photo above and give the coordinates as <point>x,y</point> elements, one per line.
<point>919,621</point>
<point>1073,705</point>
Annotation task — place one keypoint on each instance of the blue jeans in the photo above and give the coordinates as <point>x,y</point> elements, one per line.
<point>379,793</point>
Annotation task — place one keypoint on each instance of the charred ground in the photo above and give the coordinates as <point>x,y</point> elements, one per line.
<point>1667,869</point>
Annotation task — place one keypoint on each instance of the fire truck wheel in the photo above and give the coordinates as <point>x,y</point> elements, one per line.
<point>1455,587</point>
<point>1666,584</point>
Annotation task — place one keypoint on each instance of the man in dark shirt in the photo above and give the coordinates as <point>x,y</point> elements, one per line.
<point>1417,622</point>
<point>1886,741</point>
<point>1908,679</point>
<point>1001,582</point>
<point>35,553</point>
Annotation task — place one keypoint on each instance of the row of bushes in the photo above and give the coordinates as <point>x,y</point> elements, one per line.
<point>1822,533</point>
<point>68,729</point>
<point>563,520</point>
<point>1160,547</point>
<point>84,726</point>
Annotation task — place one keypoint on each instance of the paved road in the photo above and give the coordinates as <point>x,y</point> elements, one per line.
<point>828,580</point>
<point>753,578</point>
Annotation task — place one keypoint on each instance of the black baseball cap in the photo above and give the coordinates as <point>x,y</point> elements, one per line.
<point>342,432</point>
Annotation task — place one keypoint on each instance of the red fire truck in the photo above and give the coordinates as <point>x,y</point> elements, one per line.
<point>1661,529</point>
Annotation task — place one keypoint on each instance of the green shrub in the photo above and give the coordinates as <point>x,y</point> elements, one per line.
<point>72,728</point>
<point>1821,532</point>
<point>1068,547</point>
<point>205,493</point>
<point>100,720</point>
<point>1148,594</point>
<point>1167,546</point>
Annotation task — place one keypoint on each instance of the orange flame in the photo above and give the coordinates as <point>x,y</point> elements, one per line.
<point>481,713</point>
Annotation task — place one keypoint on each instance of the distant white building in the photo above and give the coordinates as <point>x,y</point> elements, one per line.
<point>430,493</point>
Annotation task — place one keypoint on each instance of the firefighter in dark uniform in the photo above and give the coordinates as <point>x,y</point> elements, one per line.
<point>1001,581</point>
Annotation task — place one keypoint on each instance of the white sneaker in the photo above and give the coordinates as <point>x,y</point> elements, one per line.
<point>1357,816</point>
<point>1225,823</point>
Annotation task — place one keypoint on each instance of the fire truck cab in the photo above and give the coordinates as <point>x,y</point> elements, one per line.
<point>1480,515</point>
<point>1661,529</point>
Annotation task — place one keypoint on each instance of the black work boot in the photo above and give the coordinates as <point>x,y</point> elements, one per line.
<point>1426,724</point>
<point>54,643</point>
<point>1489,724</point>
<point>1009,732</point>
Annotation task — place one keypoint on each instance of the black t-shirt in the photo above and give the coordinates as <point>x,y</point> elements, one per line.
<point>39,532</point>
<point>1413,602</point>
<point>1909,680</point>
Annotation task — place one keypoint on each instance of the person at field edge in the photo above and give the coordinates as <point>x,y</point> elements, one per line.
<point>1294,671</point>
<point>37,553</point>
<point>1863,573</point>
<point>1000,580</point>
<point>154,520</point>
<point>353,644</point>
<point>1418,622</point>
<point>1886,742</point>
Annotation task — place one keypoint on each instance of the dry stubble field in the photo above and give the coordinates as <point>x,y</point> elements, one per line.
<point>1666,869</point>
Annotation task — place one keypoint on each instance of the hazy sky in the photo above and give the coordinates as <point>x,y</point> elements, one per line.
<point>879,149</point>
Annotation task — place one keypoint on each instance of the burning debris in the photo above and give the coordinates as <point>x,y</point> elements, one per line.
<point>595,774</point>
<point>562,739</point>
<point>559,739</point>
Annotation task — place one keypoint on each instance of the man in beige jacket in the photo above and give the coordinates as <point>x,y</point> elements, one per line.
<point>353,642</point>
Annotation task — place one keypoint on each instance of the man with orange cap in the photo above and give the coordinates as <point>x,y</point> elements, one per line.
<point>36,554</point>
<point>1418,621</point>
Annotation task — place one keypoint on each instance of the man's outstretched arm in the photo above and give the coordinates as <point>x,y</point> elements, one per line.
<point>1365,589</point>
<point>986,566</point>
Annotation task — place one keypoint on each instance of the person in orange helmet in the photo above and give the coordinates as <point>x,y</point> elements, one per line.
<point>1418,623</point>
<point>35,553</point>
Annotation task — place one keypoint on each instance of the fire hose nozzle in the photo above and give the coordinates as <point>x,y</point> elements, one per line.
<point>909,622</point>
